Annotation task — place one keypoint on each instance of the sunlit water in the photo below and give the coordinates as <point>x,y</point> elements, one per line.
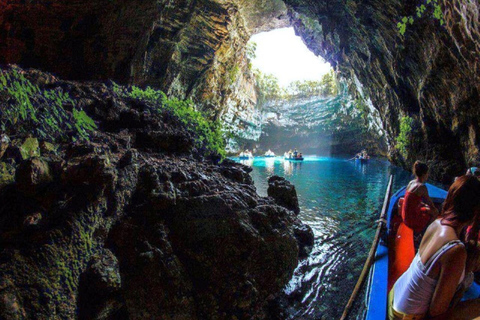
<point>340,200</point>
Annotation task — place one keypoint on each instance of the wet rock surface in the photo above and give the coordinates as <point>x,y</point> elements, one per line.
<point>283,192</point>
<point>123,227</point>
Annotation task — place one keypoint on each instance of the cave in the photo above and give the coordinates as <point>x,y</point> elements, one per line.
<point>97,227</point>
<point>196,49</point>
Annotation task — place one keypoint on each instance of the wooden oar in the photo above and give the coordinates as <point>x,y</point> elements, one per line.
<point>371,254</point>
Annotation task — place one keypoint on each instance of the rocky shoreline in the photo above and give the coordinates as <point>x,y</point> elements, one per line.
<point>136,223</point>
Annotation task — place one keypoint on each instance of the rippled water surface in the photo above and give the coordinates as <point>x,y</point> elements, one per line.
<point>340,200</point>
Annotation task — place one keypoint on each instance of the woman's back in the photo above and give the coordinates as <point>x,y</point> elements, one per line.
<point>436,236</point>
<point>415,214</point>
<point>415,290</point>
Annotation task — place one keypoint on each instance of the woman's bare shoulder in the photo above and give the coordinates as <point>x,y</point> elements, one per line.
<point>411,184</point>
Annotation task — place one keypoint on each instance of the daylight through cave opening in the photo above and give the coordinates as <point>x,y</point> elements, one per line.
<point>300,102</point>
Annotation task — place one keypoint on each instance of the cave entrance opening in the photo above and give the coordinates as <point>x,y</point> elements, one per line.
<point>294,87</point>
<point>282,54</point>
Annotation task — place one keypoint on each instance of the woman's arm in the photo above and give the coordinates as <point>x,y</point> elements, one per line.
<point>452,265</point>
<point>423,192</point>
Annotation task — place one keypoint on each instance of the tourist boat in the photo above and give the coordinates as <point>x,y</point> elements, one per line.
<point>246,155</point>
<point>362,160</point>
<point>390,262</point>
<point>269,154</point>
<point>291,157</point>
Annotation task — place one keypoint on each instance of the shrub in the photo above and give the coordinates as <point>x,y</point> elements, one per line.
<point>269,89</point>
<point>431,6</point>
<point>26,109</point>
<point>403,139</point>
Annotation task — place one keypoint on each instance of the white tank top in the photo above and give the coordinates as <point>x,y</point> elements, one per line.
<point>414,290</point>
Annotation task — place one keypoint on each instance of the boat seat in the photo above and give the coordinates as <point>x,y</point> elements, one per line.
<point>401,241</point>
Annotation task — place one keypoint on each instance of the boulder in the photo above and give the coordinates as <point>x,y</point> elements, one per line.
<point>30,148</point>
<point>33,174</point>
<point>4,143</point>
<point>284,193</point>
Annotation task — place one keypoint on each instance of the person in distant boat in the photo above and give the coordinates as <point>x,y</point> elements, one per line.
<point>432,285</point>
<point>300,155</point>
<point>418,210</point>
<point>295,153</point>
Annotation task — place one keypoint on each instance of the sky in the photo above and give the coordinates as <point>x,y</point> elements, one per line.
<point>281,53</point>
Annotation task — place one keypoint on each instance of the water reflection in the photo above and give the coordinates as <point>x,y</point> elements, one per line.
<point>287,168</point>
<point>270,165</point>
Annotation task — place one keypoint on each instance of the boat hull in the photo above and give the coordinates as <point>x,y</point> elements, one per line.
<point>295,159</point>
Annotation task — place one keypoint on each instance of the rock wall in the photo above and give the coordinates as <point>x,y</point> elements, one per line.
<point>134,223</point>
<point>189,49</point>
<point>330,125</point>
<point>430,73</point>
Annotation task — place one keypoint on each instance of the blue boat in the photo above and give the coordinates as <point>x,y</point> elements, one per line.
<point>361,160</point>
<point>294,158</point>
<point>377,288</point>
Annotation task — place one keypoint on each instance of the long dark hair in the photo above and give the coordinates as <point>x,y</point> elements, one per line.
<point>463,196</point>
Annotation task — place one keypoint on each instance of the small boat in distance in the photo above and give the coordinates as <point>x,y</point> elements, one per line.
<point>361,157</point>
<point>245,155</point>
<point>293,156</point>
<point>269,154</point>
<point>361,160</point>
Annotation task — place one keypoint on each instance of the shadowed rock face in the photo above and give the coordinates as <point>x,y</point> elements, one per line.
<point>430,74</point>
<point>187,48</point>
<point>125,227</point>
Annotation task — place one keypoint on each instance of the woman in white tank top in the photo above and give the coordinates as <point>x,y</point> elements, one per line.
<point>426,290</point>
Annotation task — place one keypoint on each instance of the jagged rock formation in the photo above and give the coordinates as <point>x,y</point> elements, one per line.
<point>430,74</point>
<point>283,192</point>
<point>135,223</point>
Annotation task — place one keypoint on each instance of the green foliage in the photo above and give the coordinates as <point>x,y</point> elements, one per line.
<point>26,109</point>
<point>432,6</point>
<point>233,73</point>
<point>269,89</point>
<point>329,85</point>
<point>208,134</point>
<point>251,50</point>
<point>403,139</point>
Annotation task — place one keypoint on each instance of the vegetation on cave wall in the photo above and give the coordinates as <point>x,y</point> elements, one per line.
<point>403,138</point>
<point>430,7</point>
<point>208,134</point>
<point>268,88</point>
<point>53,115</point>
<point>48,114</point>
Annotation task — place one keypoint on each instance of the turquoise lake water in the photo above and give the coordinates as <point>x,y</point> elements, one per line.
<point>340,200</point>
